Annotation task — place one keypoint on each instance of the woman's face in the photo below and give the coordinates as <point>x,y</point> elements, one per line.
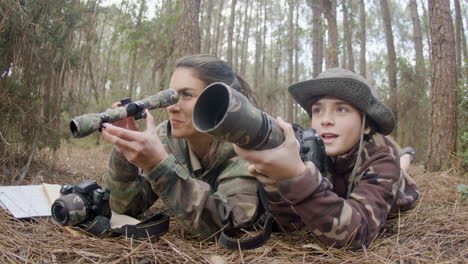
<point>188,87</point>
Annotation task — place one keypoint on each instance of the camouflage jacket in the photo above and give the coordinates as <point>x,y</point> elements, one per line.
<point>321,204</point>
<point>205,200</point>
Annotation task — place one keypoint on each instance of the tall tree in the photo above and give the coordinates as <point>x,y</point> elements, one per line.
<point>265,29</point>
<point>237,51</point>
<point>245,38</point>
<point>442,135</point>
<point>362,38</point>
<point>458,38</point>
<point>290,48</point>
<point>391,57</point>
<point>329,9</point>
<point>258,47</point>
<point>317,37</point>
<point>230,34</point>
<point>418,89</point>
<point>348,35</point>
<point>189,42</point>
<point>207,25</point>
<point>135,48</point>
<point>418,47</point>
<point>427,26</point>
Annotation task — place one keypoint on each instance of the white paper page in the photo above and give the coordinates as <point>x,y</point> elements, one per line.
<point>25,201</point>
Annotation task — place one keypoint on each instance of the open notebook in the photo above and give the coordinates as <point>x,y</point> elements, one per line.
<point>26,201</point>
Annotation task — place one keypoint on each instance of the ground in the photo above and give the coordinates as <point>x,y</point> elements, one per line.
<point>435,231</point>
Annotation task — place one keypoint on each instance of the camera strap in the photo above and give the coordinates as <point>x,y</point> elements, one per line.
<point>152,227</point>
<point>265,222</point>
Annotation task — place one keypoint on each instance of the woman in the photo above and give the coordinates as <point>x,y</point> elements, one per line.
<point>199,179</point>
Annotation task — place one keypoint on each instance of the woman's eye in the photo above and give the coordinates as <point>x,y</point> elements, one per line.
<point>186,94</point>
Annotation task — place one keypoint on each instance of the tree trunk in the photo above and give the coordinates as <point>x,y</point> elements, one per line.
<point>290,48</point>
<point>362,38</point>
<point>464,49</point>
<point>237,51</point>
<point>348,35</point>
<point>329,9</point>
<point>245,39</point>
<point>296,61</point>
<point>231,31</point>
<point>134,51</point>
<point>442,136</point>
<point>427,26</point>
<point>391,60</point>
<point>264,48</point>
<point>317,38</point>
<point>207,25</point>
<point>218,22</point>
<point>296,45</point>
<point>418,89</point>
<point>189,36</point>
<point>458,40</point>
<point>258,47</point>
<point>418,46</point>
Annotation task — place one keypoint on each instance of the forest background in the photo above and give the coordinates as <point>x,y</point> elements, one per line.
<point>60,59</point>
<point>64,58</point>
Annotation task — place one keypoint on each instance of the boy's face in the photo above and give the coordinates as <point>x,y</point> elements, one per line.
<point>338,123</point>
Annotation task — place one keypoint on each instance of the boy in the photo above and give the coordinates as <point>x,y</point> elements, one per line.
<point>364,182</point>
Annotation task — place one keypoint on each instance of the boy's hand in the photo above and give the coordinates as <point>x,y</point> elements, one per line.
<point>274,165</point>
<point>142,149</point>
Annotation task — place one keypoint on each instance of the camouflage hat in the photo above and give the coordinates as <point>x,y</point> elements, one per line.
<point>348,86</point>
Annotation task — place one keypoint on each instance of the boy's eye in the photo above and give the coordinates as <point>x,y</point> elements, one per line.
<point>316,110</point>
<point>342,109</point>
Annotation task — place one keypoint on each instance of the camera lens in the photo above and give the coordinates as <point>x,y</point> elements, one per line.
<point>70,209</point>
<point>60,212</point>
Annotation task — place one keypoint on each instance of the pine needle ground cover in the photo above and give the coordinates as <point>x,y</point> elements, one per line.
<point>435,231</point>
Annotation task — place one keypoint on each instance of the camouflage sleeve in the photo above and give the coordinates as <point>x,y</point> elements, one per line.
<point>130,193</point>
<point>201,208</point>
<point>308,199</point>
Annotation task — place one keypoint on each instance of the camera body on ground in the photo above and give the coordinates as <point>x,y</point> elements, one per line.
<point>80,202</point>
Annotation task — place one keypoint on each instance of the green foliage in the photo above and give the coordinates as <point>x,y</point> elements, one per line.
<point>462,140</point>
<point>36,53</point>
<point>463,189</point>
<point>464,146</point>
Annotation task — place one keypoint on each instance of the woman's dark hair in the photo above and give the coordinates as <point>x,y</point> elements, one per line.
<point>210,69</point>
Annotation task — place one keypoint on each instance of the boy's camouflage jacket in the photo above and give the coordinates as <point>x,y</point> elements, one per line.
<point>321,204</point>
<point>224,194</point>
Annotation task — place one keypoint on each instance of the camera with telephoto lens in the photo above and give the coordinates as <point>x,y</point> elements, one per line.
<point>228,115</point>
<point>80,202</point>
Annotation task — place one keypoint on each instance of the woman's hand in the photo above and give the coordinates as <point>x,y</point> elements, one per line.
<point>142,149</point>
<point>274,165</point>
<point>128,122</point>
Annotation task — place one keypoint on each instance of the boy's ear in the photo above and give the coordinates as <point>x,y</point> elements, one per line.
<point>367,131</point>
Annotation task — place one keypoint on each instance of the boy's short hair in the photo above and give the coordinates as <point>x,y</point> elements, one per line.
<point>348,86</point>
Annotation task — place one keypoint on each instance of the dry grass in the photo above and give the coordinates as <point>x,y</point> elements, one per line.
<point>434,232</point>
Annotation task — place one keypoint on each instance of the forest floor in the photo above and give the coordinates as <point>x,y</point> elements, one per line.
<point>435,231</point>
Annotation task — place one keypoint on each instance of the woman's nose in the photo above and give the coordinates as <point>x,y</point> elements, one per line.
<point>174,108</point>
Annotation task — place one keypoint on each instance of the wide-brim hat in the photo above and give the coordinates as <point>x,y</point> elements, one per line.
<point>348,86</point>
